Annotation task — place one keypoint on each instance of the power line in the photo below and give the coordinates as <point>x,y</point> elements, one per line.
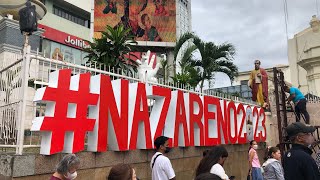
<point>317,8</point>
<point>286,17</point>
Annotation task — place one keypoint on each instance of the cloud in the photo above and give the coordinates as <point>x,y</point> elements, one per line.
<point>256,28</point>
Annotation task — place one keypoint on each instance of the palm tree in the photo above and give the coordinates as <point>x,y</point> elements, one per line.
<point>112,49</point>
<point>165,68</point>
<point>188,75</point>
<point>187,53</point>
<point>214,58</point>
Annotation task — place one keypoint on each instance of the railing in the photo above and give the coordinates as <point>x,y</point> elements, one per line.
<point>38,71</point>
<point>313,100</point>
<point>10,101</point>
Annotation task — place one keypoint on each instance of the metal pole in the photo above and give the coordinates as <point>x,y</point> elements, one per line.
<point>92,21</point>
<point>276,86</point>
<point>24,87</point>
<point>283,100</point>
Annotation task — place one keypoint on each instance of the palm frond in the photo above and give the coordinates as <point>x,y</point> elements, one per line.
<point>183,38</point>
<point>187,55</point>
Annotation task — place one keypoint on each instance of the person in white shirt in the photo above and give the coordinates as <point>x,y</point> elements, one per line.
<point>160,165</point>
<point>213,162</point>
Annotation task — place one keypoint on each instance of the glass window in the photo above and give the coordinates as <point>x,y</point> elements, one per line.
<point>83,59</point>
<point>63,14</point>
<point>225,90</point>
<point>76,56</point>
<point>68,54</point>
<point>87,23</point>
<point>244,88</point>
<point>67,15</point>
<point>237,89</point>
<point>70,17</point>
<point>46,48</point>
<point>231,89</point>
<point>245,94</point>
<point>62,52</point>
<point>55,51</point>
<point>244,82</point>
<point>55,11</point>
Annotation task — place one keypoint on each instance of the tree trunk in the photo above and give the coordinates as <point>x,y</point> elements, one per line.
<point>164,76</point>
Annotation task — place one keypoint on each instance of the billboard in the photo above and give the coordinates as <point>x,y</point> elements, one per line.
<point>149,20</point>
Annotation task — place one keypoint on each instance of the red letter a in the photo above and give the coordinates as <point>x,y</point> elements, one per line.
<point>181,119</point>
<point>141,115</point>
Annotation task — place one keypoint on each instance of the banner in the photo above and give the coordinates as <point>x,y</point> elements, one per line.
<point>114,115</point>
<point>149,20</point>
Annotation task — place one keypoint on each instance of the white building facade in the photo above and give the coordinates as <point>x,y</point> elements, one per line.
<point>304,58</point>
<point>183,17</point>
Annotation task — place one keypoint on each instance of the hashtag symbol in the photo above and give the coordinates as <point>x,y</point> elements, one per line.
<point>64,100</point>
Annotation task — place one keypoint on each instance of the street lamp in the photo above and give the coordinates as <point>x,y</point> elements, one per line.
<point>28,12</point>
<point>12,7</point>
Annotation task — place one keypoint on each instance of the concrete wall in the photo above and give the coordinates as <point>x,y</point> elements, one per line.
<point>96,166</point>
<point>83,4</point>
<point>297,73</point>
<point>11,38</point>
<point>304,58</point>
<point>65,25</point>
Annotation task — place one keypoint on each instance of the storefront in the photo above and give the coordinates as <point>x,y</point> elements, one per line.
<point>62,46</point>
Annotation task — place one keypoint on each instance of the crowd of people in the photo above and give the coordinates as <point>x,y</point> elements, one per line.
<point>298,164</point>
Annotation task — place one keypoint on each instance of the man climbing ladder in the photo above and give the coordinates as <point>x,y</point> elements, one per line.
<point>299,101</point>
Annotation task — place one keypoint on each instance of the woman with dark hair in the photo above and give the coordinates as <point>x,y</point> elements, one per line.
<point>122,172</point>
<point>205,152</point>
<point>254,163</point>
<point>272,167</point>
<point>213,162</point>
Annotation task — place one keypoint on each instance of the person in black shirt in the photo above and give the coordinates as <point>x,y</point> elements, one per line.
<point>298,162</point>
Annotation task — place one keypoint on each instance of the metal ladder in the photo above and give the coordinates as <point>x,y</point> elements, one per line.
<point>282,119</point>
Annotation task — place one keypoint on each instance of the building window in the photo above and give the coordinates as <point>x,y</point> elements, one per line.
<point>244,82</point>
<point>71,17</point>
<point>64,53</point>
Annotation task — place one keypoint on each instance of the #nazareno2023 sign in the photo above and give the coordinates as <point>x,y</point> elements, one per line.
<point>114,115</point>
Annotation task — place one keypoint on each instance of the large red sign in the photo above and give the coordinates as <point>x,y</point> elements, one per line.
<point>115,114</point>
<point>63,38</point>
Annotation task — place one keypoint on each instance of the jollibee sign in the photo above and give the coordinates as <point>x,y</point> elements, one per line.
<point>114,115</point>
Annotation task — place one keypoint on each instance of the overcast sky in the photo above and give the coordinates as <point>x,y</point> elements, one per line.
<point>255,27</point>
